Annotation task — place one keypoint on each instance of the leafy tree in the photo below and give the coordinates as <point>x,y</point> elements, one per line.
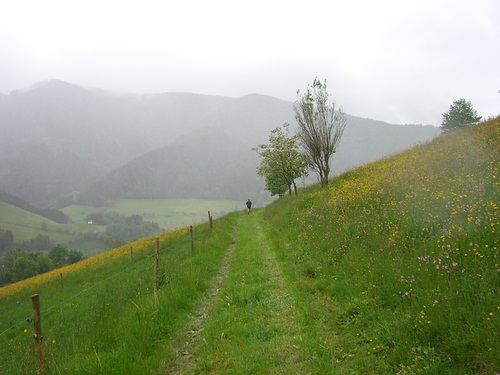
<point>25,267</point>
<point>59,255</point>
<point>7,264</point>
<point>320,127</point>
<point>276,184</point>
<point>282,162</point>
<point>45,264</point>
<point>18,264</point>
<point>74,256</point>
<point>461,113</point>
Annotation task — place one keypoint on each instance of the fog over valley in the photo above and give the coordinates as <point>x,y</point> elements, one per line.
<point>63,143</point>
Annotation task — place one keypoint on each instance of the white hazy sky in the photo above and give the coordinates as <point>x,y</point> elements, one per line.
<point>392,60</point>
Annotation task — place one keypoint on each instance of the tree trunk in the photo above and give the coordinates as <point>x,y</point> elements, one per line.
<point>324,177</point>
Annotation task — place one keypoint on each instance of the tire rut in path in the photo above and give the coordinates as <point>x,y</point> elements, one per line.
<point>184,361</point>
<point>289,345</point>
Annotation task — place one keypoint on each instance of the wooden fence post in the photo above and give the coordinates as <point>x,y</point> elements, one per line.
<point>157,259</point>
<point>210,220</point>
<point>192,241</point>
<point>131,254</point>
<point>62,281</point>
<point>39,350</point>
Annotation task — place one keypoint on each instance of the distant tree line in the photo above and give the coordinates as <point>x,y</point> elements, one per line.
<point>39,243</point>
<point>6,239</point>
<point>123,230</point>
<point>19,264</point>
<point>49,213</point>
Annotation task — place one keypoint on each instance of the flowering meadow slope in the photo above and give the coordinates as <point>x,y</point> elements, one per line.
<point>402,258</point>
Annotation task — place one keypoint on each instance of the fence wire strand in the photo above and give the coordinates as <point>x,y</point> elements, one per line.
<point>206,235</point>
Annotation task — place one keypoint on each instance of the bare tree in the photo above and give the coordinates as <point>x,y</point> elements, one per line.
<point>320,127</point>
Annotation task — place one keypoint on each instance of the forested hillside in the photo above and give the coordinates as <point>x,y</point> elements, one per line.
<point>59,139</point>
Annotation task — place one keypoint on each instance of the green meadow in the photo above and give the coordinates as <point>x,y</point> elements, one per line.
<point>27,225</point>
<point>393,268</point>
<point>168,213</point>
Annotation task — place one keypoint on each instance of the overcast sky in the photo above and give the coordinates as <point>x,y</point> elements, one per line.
<point>391,60</point>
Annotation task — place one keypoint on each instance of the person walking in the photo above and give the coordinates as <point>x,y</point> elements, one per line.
<point>249,205</point>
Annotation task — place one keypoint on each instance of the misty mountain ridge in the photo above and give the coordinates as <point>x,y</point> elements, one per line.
<point>64,140</point>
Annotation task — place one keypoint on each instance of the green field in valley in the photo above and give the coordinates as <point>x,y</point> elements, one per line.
<point>168,213</point>
<point>26,225</point>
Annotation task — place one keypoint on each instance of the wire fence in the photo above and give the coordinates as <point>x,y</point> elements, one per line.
<point>205,233</point>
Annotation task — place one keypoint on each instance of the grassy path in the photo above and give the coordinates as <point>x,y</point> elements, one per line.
<point>248,325</point>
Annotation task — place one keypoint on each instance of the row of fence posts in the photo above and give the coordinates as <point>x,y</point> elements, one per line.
<point>35,298</point>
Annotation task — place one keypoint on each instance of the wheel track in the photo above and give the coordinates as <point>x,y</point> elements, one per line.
<point>184,360</point>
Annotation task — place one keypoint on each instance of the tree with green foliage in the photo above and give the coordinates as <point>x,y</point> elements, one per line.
<point>320,127</point>
<point>19,264</point>
<point>7,264</point>
<point>45,264</point>
<point>461,113</point>
<point>25,267</point>
<point>276,184</point>
<point>282,162</point>
<point>74,256</point>
<point>59,255</point>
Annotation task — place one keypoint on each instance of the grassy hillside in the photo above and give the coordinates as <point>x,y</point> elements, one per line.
<point>26,225</point>
<point>399,260</point>
<point>394,268</point>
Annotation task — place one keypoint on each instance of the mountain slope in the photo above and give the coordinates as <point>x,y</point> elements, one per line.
<point>222,168</point>
<point>214,163</point>
<point>59,139</point>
